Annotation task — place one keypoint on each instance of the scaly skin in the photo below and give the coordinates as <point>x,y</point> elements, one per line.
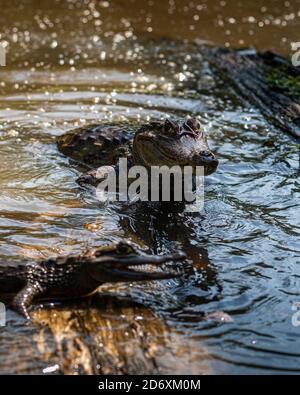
<point>79,276</point>
<point>96,145</point>
<point>157,143</point>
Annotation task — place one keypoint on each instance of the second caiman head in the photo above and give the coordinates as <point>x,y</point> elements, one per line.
<point>171,143</point>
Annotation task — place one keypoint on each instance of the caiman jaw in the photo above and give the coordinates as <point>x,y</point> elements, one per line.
<point>134,267</point>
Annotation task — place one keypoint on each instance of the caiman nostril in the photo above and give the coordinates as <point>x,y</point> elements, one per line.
<point>207,154</point>
<point>206,159</point>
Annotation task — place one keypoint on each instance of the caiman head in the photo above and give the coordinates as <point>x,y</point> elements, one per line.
<point>173,143</point>
<point>125,262</point>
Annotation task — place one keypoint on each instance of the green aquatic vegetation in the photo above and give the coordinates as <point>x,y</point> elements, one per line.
<point>281,78</point>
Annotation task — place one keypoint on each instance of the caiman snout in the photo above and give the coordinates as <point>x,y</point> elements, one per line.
<point>206,159</point>
<point>135,267</point>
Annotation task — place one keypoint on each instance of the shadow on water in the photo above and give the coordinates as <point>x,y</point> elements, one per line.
<point>163,227</point>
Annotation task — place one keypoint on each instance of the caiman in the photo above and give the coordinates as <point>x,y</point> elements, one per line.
<point>157,143</point>
<point>81,275</point>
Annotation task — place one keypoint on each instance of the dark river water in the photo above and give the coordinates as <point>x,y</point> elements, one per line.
<point>73,63</point>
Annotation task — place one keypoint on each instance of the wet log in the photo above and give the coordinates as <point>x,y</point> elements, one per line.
<point>267,80</point>
<point>104,334</point>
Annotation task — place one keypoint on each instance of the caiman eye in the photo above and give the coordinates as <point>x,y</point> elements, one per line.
<point>124,249</point>
<point>194,124</point>
<point>171,126</point>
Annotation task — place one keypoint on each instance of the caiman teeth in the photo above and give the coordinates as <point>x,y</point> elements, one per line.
<point>146,268</point>
<point>150,268</point>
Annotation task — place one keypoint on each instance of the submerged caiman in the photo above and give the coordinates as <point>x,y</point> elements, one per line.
<point>81,275</point>
<point>157,143</point>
